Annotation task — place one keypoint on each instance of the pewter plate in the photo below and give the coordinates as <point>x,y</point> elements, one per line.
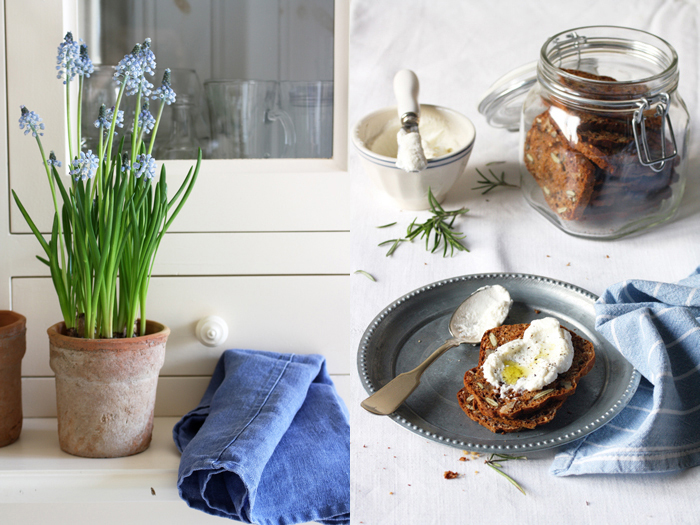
<point>408,330</point>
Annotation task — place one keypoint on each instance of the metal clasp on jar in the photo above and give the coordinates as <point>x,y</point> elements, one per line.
<point>570,40</point>
<point>640,135</point>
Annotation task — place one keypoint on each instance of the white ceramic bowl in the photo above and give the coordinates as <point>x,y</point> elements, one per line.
<point>409,191</point>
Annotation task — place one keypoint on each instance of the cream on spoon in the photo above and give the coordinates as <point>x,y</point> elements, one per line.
<point>486,308</point>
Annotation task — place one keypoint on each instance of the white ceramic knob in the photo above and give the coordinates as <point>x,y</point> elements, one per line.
<point>211,331</point>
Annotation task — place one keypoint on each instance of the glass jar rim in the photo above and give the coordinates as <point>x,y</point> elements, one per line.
<point>502,103</point>
<point>587,40</point>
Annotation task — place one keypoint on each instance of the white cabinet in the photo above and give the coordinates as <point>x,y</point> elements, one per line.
<point>262,243</point>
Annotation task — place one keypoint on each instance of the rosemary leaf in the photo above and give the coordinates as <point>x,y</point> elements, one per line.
<point>366,274</point>
<point>487,184</point>
<point>387,225</point>
<point>508,457</point>
<point>395,245</point>
<point>497,467</point>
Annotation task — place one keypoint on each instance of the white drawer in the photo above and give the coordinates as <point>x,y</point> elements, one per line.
<point>301,314</point>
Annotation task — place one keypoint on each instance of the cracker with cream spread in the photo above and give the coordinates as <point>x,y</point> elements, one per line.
<point>486,403</point>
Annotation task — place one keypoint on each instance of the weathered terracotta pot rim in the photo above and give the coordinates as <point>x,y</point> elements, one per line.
<point>155,331</point>
<point>15,327</point>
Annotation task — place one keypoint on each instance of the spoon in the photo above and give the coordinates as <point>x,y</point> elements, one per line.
<point>486,308</point>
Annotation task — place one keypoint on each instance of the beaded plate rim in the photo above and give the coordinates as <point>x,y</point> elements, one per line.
<point>492,445</point>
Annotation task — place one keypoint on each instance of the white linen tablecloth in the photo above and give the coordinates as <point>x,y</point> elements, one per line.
<point>457,49</point>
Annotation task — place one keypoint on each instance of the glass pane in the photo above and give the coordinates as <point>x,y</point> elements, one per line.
<point>254,78</point>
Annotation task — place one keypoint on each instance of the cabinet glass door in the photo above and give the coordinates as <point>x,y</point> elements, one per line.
<point>254,78</point>
<point>261,88</point>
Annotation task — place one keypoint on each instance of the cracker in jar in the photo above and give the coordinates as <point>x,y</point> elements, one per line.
<point>566,176</point>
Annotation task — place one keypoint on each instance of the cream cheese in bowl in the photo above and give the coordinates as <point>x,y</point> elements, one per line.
<point>439,136</point>
<point>447,138</point>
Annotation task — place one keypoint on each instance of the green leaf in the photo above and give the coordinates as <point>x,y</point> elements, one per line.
<point>437,230</point>
<point>31,224</point>
<point>394,246</point>
<point>190,187</point>
<point>497,467</point>
<point>487,184</point>
<point>366,274</point>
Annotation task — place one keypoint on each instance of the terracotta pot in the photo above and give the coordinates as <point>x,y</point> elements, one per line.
<point>106,391</point>
<point>13,328</point>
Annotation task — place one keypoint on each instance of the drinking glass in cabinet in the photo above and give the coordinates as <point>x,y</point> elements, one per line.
<point>246,120</point>
<point>99,89</point>
<point>281,54</point>
<point>185,123</point>
<point>310,106</point>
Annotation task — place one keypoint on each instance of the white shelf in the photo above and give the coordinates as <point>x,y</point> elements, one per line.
<point>39,483</point>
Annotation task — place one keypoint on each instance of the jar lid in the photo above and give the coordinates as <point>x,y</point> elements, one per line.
<point>503,101</point>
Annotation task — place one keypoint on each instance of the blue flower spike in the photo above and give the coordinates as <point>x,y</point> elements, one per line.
<point>146,119</point>
<point>84,168</point>
<point>148,58</point>
<point>102,118</point>
<point>105,117</point>
<point>53,161</point>
<point>165,91</point>
<point>132,69</point>
<point>85,66</point>
<point>30,122</point>
<point>125,162</point>
<point>68,58</point>
<point>145,165</point>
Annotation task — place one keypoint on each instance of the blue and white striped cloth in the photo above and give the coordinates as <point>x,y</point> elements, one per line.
<point>656,326</point>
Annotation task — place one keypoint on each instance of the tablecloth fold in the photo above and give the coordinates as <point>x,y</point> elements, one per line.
<point>268,443</point>
<point>656,326</point>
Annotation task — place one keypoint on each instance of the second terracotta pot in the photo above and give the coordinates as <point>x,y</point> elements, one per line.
<point>106,391</point>
<point>13,328</point>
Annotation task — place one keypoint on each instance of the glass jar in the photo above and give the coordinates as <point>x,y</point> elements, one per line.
<point>603,130</point>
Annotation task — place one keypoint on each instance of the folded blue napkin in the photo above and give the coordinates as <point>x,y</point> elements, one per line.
<point>656,326</point>
<point>269,443</point>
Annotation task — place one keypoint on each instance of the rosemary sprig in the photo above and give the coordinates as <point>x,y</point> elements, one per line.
<point>366,274</point>
<point>440,226</point>
<point>494,462</point>
<point>490,184</point>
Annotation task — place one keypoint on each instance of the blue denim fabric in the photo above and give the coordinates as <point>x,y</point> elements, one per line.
<point>269,443</point>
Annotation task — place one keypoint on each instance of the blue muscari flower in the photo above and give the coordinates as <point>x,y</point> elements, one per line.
<point>149,59</point>
<point>165,92</point>
<point>105,118</point>
<point>132,69</point>
<point>145,165</point>
<point>85,167</point>
<point>146,120</point>
<point>68,59</point>
<point>125,162</point>
<point>84,65</point>
<point>53,161</point>
<point>31,121</point>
